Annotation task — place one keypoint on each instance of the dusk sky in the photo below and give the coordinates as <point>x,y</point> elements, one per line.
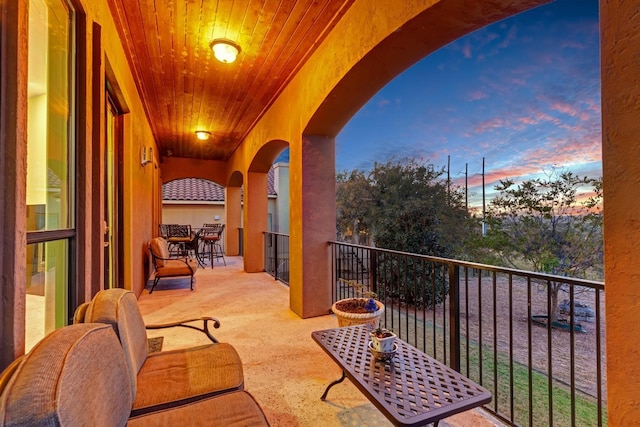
<point>523,93</point>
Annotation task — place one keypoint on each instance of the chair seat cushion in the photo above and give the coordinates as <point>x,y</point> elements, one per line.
<point>237,409</point>
<point>180,239</point>
<point>176,267</point>
<point>187,374</point>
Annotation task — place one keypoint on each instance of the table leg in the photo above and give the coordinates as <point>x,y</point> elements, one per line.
<point>338,381</point>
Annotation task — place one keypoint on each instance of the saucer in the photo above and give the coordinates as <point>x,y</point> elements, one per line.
<point>383,355</point>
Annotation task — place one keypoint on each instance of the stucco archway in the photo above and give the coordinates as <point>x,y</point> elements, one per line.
<point>370,46</point>
<point>255,206</point>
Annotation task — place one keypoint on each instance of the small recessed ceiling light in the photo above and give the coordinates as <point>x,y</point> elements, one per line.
<point>203,135</point>
<point>225,50</point>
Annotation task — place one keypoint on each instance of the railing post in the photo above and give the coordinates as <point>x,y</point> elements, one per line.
<point>275,256</point>
<point>454,316</point>
<point>373,272</point>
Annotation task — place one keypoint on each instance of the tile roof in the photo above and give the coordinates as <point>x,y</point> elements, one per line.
<point>202,190</point>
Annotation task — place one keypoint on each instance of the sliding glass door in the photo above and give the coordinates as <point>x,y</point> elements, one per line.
<point>50,167</point>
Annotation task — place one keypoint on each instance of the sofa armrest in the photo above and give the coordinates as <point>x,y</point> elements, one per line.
<point>8,372</point>
<point>207,321</point>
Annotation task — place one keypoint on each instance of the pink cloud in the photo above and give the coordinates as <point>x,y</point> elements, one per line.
<point>547,118</point>
<point>565,108</point>
<point>554,152</point>
<point>477,95</point>
<point>489,37</point>
<point>466,50</point>
<point>511,36</point>
<point>527,120</point>
<point>563,152</point>
<point>487,125</point>
<point>593,106</point>
<point>492,176</point>
<point>572,44</point>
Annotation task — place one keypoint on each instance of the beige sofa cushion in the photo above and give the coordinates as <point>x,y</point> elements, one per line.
<point>119,308</point>
<point>236,409</point>
<point>75,376</point>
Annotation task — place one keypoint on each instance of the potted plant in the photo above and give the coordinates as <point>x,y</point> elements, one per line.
<point>382,340</point>
<point>360,309</point>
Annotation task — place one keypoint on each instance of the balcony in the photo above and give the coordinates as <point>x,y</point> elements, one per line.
<point>284,369</point>
<point>490,324</point>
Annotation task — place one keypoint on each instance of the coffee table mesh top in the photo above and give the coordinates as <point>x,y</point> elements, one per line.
<point>412,384</point>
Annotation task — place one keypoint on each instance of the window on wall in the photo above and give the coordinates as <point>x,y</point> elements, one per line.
<point>50,189</point>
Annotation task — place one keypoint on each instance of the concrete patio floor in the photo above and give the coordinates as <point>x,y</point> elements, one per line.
<point>285,370</point>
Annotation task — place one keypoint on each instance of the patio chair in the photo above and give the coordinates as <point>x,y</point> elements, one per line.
<point>182,375</point>
<point>192,248</point>
<point>165,266</point>
<point>78,375</point>
<point>178,237</point>
<point>164,229</point>
<point>212,241</point>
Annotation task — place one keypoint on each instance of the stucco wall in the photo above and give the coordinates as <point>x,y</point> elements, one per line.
<point>138,181</point>
<point>192,214</point>
<point>620,41</point>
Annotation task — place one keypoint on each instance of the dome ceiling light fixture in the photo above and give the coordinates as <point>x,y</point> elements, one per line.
<point>225,50</point>
<point>203,135</point>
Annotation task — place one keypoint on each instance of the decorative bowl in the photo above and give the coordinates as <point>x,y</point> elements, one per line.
<point>383,355</point>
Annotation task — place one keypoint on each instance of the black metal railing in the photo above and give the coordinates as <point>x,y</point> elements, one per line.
<point>276,256</point>
<point>492,324</point>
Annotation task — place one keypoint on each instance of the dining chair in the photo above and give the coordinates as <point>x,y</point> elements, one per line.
<point>211,238</point>
<point>178,237</point>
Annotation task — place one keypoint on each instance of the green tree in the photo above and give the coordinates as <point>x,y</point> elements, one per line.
<point>551,225</point>
<point>353,200</point>
<point>413,209</point>
<point>405,206</point>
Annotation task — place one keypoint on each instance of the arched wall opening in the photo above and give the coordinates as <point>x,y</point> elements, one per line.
<point>255,203</point>
<point>193,201</point>
<point>429,30</point>
<point>620,173</point>
<point>374,45</point>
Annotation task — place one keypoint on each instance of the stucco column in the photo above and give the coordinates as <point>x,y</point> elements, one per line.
<point>312,224</point>
<point>255,220</point>
<point>232,214</point>
<point>13,172</point>
<point>620,26</point>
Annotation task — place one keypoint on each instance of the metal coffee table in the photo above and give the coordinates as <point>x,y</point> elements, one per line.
<point>412,389</point>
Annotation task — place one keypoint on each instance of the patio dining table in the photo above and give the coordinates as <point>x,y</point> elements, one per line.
<point>411,389</point>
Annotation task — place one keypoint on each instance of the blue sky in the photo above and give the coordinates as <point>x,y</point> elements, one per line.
<point>523,93</point>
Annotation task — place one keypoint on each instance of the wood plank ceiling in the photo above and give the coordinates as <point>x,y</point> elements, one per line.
<point>184,88</point>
